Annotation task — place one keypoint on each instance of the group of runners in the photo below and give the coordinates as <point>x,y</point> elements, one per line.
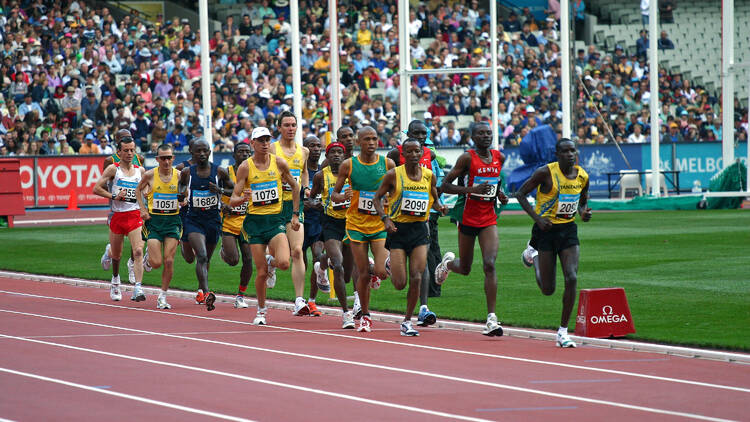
<point>364,217</point>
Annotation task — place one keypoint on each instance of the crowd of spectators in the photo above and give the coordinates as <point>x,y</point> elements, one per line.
<point>72,75</point>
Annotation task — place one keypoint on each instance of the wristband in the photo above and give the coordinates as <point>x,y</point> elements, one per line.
<point>113,196</point>
<point>295,213</point>
<point>383,217</point>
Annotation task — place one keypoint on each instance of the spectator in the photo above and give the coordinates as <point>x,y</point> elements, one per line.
<point>665,43</point>
<point>666,8</point>
<point>644,12</point>
<point>641,45</point>
<point>89,147</point>
<point>439,109</point>
<point>636,137</point>
<point>673,134</point>
<point>28,106</point>
<point>176,138</point>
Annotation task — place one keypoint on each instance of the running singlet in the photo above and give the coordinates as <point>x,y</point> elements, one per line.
<point>136,159</point>
<point>425,161</point>
<point>479,210</point>
<point>120,183</point>
<point>232,220</point>
<point>312,216</point>
<point>332,209</point>
<point>202,203</point>
<point>162,199</point>
<point>365,180</point>
<point>411,200</point>
<point>265,188</point>
<point>560,204</point>
<point>296,163</point>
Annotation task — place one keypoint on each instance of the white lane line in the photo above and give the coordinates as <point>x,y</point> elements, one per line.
<point>375,366</point>
<point>196,333</point>
<point>526,409</point>
<point>411,345</point>
<point>346,396</point>
<point>125,396</point>
<point>60,221</point>
<point>572,381</point>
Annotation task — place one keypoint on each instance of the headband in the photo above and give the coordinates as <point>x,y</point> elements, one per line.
<point>335,144</point>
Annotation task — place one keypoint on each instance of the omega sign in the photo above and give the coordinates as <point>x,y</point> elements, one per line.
<point>608,316</point>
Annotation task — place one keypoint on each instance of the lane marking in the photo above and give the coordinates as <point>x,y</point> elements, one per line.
<point>365,365</point>
<point>525,409</point>
<point>572,381</point>
<point>346,396</point>
<point>627,360</point>
<point>126,396</point>
<point>60,221</point>
<point>411,345</point>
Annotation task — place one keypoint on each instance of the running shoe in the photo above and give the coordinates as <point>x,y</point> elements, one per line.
<point>365,324</point>
<point>301,307</point>
<point>528,256</point>
<point>131,271</point>
<point>441,271</point>
<point>114,289</point>
<point>357,309</point>
<point>322,278</point>
<point>138,295</point>
<point>271,279</point>
<point>106,259</point>
<point>388,265</point>
<point>348,320</point>
<point>374,280</point>
<point>564,341</point>
<point>260,318</point>
<point>210,299</point>
<point>426,317</point>
<point>146,266</point>
<point>239,302</point>
<point>407,330</point>
<point>314,311</point>
<point>200,298</point>
<point>492,328</point>
<point>161,303</point>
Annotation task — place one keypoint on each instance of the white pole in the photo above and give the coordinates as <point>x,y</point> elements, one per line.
<point>565,67</point>
<point>333,25</point>
<point>653,79</point>
<point>493,74</point>
<point>727,86</point>
<point>747,144</point>
<point>404,64</point>
<point>296,65</point>
<point>205,75</point>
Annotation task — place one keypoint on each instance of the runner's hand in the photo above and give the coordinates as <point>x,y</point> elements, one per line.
<point>482,189</point>
<point>145,215</point>
<point>213,188</point>
<point>502,197</point>
<point>348,194</point>
<point>389,226</point>
<point>544,224</point>
<point>443,209</point>
<point>295,222</point>
<point>586,214</point>
<point>120,195</point>
<point>246,194</point>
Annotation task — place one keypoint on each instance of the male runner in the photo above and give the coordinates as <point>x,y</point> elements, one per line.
<point>344,136</point>
<point>187,251</point>
<point>231,229</point>
<point>481,167</point>
<point>333,222</point>
<point>363,227</point>
<point>160,212</point>
<point>202,184</point>
<point>124,177</point>
<point>106,260</point>
<point>296,158</point>
<point>313,238</point>
<point>413,192</point>
<point>259,182</point>
<point>562,190</point>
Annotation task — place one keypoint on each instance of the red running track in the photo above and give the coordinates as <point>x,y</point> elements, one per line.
<point>69,352</point>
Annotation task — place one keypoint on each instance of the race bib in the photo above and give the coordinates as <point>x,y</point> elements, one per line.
<point>204,199</point>
<point>164,203</point>
<point>414,203</point>
<point>239,210</point>
<point>492,181</point>
<point>265,193</point>
<point>128,187</point>
<point>567,204</point>
<point>366,203</point>
<point>339,205</point>
<point>296,174</point>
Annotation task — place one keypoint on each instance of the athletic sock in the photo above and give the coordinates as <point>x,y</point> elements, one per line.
<point>356,296</point>
<point>423,308</point>
<point>311,300</point>
<point>262,310</point>
<point>138,284</point>
<point>162,294</point>
<point>491,314</point>
<point>562,331</point>
<point>241,291</point>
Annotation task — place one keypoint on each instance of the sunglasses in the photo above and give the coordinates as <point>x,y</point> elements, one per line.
<point>165,157</point>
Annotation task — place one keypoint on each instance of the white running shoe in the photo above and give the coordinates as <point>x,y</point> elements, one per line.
<point>492,328</point>
<point>323,283</point>
<point>388,265</point>
<point>374,280</point>
<point>348,320</point>
<point>146,266</point>
<point>106,259</point>
<point>161,303</point>
<point>528,256</point>
<point>131,271</point>
<point>260,318</point>
<point>138,295</point>
<point>564,341</point>
<point>239,302</point>
<point>357,309</point>
<point>441,271</point>
<point>407,330</point>
<point>300,307</point>
<point>114,289</point>
<point>271,279</point>
<point>365,324</point>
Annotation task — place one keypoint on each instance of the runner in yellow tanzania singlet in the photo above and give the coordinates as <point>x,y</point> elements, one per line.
<point>560,204</point>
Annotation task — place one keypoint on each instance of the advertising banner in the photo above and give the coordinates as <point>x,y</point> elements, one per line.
<point>56,177</point>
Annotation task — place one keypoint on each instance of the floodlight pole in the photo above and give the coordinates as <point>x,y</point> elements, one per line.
<point>205,76</point>
<point>653,79</point>
<point>565,67</point>
<point>296,66</point>
<point>493,75</point>
<point>335,85</point>
<point>727,79</point>
<point>404,64</point>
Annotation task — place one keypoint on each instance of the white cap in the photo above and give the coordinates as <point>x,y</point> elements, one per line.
<point>427,115</point>
<point>530,109</point>
<point>260,131</point>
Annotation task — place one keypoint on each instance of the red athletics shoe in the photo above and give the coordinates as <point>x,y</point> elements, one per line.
<point>200,298</point>
<point>314,309</point>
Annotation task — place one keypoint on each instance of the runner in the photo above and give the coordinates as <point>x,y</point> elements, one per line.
<point>413,192</point>
<point>344,136</point>
<point>481,168</point>
<point>202,184</point>
<point>160,212</point>
<point>187,251</point>
<point>562,190</point>
<point>363,227</point>
<point>231,230</point>
<point>296,158</point>
<point>333,222</point>
<point>259,181</point>
<point>313,237</point>
<point>106,260</point>
<point>124,177</point>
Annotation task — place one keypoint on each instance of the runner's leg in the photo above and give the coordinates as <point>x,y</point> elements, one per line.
<point>333,251</point>
<point>115,251</point>
<point>198,244</point>
<point>398,268</point>
<point>154,247</point>
<point>569,261</point>
<point>170,249</point>
<point>462,264</point>
<point>359,253</point>
<point>296,238</point>
<point>417,265</point>
<point>488,243</point>
<point>229,252</point>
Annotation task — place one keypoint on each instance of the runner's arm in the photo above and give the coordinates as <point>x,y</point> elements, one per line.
<point>304,178</point>
<point>239,194</point>
<point>182,186</point>
<point>583,210</point>
<point>144,187</point>
<point>462,167</point>
<point>317,186</point>
<point>106,177</point>
<point>286,176</point>
<point>336,195</point>
<point>437,204</point>
<point>537,180</point>
<point>386,187</point>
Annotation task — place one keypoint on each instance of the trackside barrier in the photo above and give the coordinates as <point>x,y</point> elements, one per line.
<point>603,313</point>
<point>11,197</point>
